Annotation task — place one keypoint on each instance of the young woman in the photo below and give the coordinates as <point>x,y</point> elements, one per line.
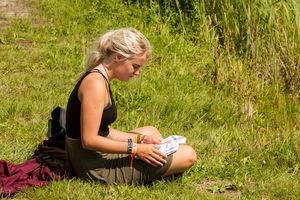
<point>96,151</point>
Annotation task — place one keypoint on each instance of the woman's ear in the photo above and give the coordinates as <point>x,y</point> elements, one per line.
<point>118,57</point>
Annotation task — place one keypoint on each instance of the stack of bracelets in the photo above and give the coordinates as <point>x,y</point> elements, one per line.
<point>132,146</point>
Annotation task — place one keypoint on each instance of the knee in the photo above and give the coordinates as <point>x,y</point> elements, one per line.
<point>152,130</point>
<point>191,156</point>
<point>183,159</point>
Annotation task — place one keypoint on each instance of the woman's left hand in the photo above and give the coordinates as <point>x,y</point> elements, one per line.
<point>153,139</point>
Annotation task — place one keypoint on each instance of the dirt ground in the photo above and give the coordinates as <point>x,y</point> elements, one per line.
<point>12,8</point>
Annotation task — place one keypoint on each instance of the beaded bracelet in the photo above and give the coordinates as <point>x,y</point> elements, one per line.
<point>142,139</point>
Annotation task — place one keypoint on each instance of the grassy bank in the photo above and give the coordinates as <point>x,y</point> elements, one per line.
<point>224,74</point>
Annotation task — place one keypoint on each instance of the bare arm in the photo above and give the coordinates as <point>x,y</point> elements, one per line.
<point>92,93</point>
<point>147,138</point>
<point>121,136</point>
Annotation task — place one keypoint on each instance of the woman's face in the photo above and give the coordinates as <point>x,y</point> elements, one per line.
<point>128,68</point>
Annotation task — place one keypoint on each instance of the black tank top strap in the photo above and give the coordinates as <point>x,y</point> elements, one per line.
<point>107,85</point>
<point>97,70</point>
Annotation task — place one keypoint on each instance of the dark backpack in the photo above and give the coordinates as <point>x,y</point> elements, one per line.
<point>57,128</point>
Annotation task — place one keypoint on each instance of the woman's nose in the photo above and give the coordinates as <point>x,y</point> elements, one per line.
<point>137,72</point>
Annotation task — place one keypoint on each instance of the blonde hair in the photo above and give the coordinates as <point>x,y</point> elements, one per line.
<point>128,42</point>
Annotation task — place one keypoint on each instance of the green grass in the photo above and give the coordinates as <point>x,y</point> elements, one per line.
<point>224,74</point>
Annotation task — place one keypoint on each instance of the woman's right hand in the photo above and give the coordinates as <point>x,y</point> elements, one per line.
<point>150,154</point>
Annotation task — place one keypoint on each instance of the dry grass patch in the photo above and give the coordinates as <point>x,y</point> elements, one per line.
<point>13,8</point>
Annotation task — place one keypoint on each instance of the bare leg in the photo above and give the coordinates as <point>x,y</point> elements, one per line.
<point>183,159</point>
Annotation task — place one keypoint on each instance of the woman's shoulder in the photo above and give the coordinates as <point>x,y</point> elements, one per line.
<point>93,84</point>
<point>93,80</point>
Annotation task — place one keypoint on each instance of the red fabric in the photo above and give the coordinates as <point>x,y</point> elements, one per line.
<point>34,172</point>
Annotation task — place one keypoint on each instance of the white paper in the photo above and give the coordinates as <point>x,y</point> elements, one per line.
<point>170,144</point>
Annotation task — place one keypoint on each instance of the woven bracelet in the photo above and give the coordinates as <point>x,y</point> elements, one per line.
<point>129,147</point>
<point>137,138</point>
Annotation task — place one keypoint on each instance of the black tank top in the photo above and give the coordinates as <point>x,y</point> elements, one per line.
<point>109,114</point>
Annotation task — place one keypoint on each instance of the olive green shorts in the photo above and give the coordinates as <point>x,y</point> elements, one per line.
<point>111,168</point>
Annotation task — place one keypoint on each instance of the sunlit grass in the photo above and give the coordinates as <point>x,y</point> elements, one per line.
<point>233,92</point>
